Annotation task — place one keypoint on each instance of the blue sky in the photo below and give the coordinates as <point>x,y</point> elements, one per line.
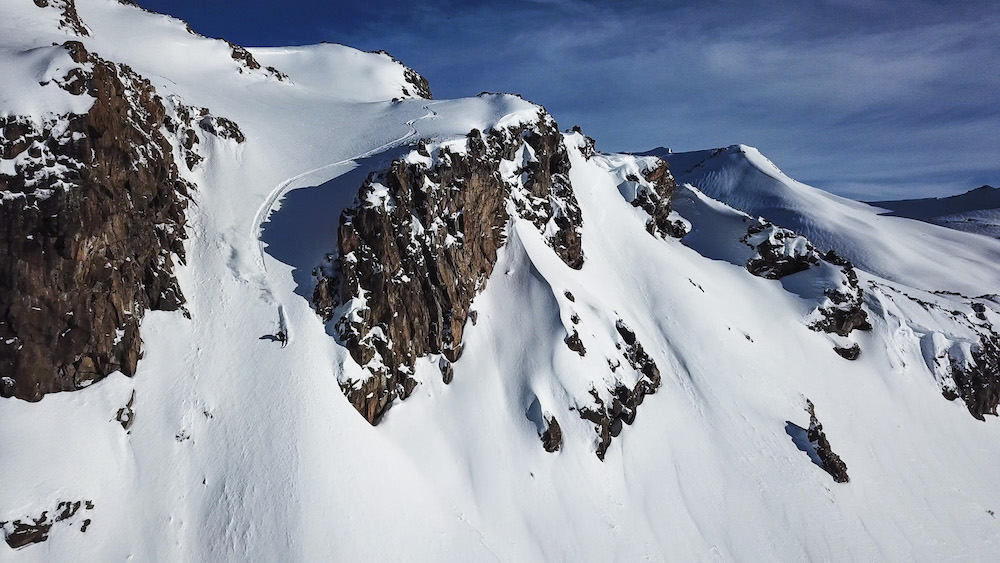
<point>872,100</point>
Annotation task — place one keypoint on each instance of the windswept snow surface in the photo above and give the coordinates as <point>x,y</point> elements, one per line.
<point>975,211</point>
<point>918,254</point>
<point>244,450</point>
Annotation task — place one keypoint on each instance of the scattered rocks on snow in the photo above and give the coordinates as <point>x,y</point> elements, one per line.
<point>609,416</point>
<point>69,20</point>
<point>419,85</point>
<point>184,121</point>
<point>248,62</point>
<point>22,532</point>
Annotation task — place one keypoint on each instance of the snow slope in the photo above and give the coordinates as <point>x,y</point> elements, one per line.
<point>917,254</point>
<point>975,211</point>
<point>245,450</point>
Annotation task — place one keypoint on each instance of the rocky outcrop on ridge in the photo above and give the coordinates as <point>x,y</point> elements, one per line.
<point>69,20</point>
<point>91,221</point>
<point>419,85</point>
<point>422,240</point>
<point>654,197</point>
<point>781,252</point>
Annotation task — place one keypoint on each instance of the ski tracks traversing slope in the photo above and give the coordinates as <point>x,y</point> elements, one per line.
<point>265,209</point>
<point>315,176</point>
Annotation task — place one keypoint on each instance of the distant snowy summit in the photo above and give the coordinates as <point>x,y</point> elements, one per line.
<point>975,211</point>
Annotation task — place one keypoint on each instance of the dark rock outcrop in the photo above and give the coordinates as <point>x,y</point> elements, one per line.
<point>656,199</point>
<point>608,418</point>
<point>186,122</point>
<point>552,435</point>
<point>978,382</point>
<point>574,343</point>
<point>89,224</point>
<point>69,19</point>
<point>421,242</point>
<point>419,85</point>
<point>781,252</point>
<point>248,63</point>
<point>22,532</point>
<point>848,353</point>
<point>126,414</point>
<point>831,462</point>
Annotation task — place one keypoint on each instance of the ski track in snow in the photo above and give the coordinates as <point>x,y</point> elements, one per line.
<point>264,211</point>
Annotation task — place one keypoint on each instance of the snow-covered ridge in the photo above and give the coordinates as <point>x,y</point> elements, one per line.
<point>892,247</point>
<point>975,211</point>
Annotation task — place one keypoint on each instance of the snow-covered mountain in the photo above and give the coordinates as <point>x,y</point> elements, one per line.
<point>279,304</point>
<point>975,211</point>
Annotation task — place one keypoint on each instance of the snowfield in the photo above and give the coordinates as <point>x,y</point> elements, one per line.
<point>244,449</point>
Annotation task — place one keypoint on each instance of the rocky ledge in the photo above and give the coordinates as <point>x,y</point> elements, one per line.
<point>421,241</point>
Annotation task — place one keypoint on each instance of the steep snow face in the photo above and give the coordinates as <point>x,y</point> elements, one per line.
<point>916,254</point>
<point>235,441</point>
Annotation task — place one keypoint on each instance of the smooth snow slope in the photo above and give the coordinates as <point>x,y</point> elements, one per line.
<point>975,211</point>
<point>918,254</point>
<point>242,450</point>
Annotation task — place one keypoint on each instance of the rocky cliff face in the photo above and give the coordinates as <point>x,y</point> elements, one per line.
<point>91,221</point>
<point>422,240</point>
